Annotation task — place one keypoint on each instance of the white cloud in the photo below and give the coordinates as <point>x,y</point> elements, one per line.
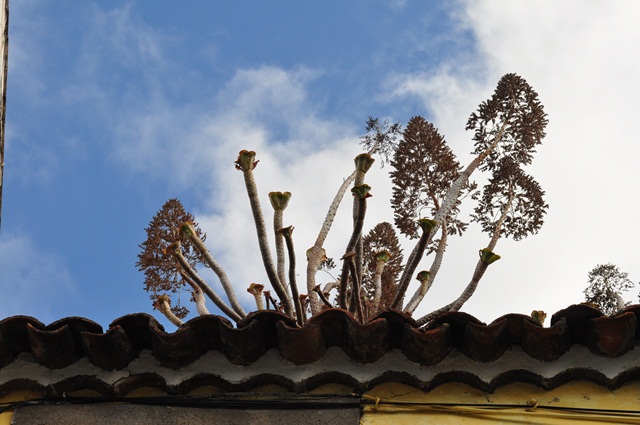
<point>117,36</point>
<point>31,279</point>
<point>576,57</point>
<point>579,57</point>
<point>298,152</point>
<point>266,109</point>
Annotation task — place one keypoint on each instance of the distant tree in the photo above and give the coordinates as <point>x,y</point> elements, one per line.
<point>429,185</point>
<point>606,284</point>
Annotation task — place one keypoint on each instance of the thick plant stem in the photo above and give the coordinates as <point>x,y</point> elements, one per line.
<point>188,230</point>
<point>330,285</point>
<point>344,285</point>
<point>412,264</point>
<point>163,306</point>
<point>481,267</point>
<point>279,201</point>
<point>198,295</point>
<point>498,229</point>
<point>425,284</point>
<point>256,289</point>
<point>286,233</point>
<point>486,258</point>
<point>377,283</point>
<point>357,233</point>
<point>246,164</point>
<point>456,187</point>
<point>304,302</point>
<point>363,163</point>
<point>355,288</point>
<point>201,304</point>
<point>316,253</point>
<point>280,256</point>
<point>381,258</point>
<point>322,296</point>
<point>414,260</point>
<point>175,250</point>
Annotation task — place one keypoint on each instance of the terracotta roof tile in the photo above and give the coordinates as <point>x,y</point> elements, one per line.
<point>80,343</point>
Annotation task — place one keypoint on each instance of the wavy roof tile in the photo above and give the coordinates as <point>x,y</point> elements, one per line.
<point>333,347</point>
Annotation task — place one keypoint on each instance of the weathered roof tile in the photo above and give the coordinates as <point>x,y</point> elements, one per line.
<point>72,341</point>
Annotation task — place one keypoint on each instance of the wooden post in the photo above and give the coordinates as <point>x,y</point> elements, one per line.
<point>4,52</point>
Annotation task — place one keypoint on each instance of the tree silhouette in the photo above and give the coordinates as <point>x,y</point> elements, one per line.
<point>606,283</point>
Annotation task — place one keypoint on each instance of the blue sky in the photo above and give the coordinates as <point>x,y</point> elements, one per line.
<point>115,107</point>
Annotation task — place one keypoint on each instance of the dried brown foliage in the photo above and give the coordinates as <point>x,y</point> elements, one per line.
<point>161,270</point>
<point>423,169</point>
<point>511,188</point>
<point>515,104</point>
<point>381,238</point>
<point>514,110</point>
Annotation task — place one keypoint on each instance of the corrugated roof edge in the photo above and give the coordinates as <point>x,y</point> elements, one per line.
<point>68,340</point>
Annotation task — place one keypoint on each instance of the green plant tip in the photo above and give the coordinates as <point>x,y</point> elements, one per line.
<point>362,191</point>
<point>383,256</point>
<point>364,161</point>
<point>187,230</point>
<point>246,160</point>
<point>423,275</point>
<point>427,224</point>
<point>488,257</point>
<point>279,200</point>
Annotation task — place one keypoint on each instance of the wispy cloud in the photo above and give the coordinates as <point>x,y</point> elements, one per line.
<point>267,110</point>
<point>578,57</point>
<point>583,72</point>
<point>271,110</point>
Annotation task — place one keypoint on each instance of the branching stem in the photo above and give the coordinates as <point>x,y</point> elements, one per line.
<point>357,233</point>
<point>246,164</point>
<point>425,284</point>
<point>286,233</point>
<point>175,250</point>
<point>163,306</point>
<point>188,230</point>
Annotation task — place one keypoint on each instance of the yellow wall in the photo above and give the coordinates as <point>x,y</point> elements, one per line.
<point>5,418</point>
<point>578,394</point>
